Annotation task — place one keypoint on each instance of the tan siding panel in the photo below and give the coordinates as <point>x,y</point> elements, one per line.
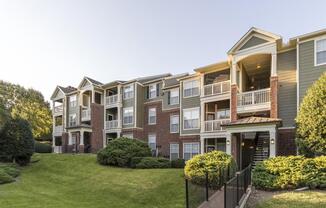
<point>253,42</point>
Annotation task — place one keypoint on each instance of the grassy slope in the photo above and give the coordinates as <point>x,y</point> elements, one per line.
<point>78,181</point>
<point>307,199</point>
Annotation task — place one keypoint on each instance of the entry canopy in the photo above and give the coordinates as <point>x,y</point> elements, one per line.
<point>253,120</point>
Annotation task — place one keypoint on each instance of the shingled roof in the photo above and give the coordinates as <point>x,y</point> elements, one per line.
<point>67,89</point>
<point>253,120</point>
<point>93,81</point>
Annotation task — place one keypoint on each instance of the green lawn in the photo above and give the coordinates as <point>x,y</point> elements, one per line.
<point>306,199</point>
<point>78,181</point>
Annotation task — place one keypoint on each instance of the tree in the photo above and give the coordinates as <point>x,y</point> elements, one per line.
<point>27,104</point>
<point>311,120</point>
<point>16,142</point>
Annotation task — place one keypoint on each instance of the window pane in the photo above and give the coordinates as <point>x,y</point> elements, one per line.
<point>321,57</point>
<point>321,45</point>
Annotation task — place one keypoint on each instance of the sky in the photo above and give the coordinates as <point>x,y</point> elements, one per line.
<point>45,43</point>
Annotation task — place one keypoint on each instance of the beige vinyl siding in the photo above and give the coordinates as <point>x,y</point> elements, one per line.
<point>140,106</point>
<point>308,73</point>
<point>253,41</point>
<point>287,94</point>
<point>189,102</point>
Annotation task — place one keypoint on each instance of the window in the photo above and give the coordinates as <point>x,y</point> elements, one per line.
<point>320,54</point>
<point>58,121</point>
<point>191,88</point>
<point>72,120</point>
<point>152,116</point>
<point>152,143</point>
<point>73,101</point>
<point>152,91</point>
<point>174,123</point>
<point>128,114</point>
<point>190,150</point>
<point>223,114</point>
<point>173,98</point>
<point>174,151</point>
<point>73,139</point>
<point>128,92</point>
<point>191,118</point>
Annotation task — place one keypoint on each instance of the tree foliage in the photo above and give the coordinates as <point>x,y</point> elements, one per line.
<point>311,120</point>
<point>27,104</point>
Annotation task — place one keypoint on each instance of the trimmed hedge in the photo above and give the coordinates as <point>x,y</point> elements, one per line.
<point>120,151</point>
<point>43,147</point>
<point>215,163</point>
<point>290,172</point>
<point>8,173</point>
<point>152,162</point>
<point>178,163</point>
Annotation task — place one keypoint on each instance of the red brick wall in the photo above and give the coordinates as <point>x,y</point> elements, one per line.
<point>65,138</point>
<point>274,90</point>
<point>97,119</point>
<point>286,142</point>
<point>234,92</point>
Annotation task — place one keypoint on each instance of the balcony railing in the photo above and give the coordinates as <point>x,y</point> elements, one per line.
<point>58,109</point>
<point>58,130</point>
<point>215,125</point>
<point>112,100</point>
<point>86,115</point>
<point>57,149</point>
<point>217,88</point>
<point>254,97</point>
<point>113,124</point>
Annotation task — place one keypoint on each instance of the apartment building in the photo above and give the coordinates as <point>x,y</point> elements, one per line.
<point>244,105</point>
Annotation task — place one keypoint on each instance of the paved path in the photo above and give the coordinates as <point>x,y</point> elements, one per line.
<point>215,201</point>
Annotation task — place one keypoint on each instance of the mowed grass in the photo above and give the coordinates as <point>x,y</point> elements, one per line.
<point>306,199</point>
<point>78,181</point>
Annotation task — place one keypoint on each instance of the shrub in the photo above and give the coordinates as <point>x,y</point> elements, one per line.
<point>178,163</point>
<point>153,162</point>
<point>5,178</point>
<point>120,151</point>
<point>16,142</point>
<point>215,163</point>
<point>290,172</point>
<point>311,120</point>
<point>43,147</point>
<point>8,172</point>
<point>134,161</point>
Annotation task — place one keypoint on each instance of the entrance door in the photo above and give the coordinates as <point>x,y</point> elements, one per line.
<point>87,142</point>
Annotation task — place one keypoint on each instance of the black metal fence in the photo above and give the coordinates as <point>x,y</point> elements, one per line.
<point>197,193</point>
<point>236,187</point>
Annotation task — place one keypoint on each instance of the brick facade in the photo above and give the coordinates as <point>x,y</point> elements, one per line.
<point>273,97</point>
<point>97,118</point>
<point>286,142</point>
<point>65,139</point>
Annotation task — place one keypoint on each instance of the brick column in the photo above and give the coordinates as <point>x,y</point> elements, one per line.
<point>273,96</point>
<point>234,92</point>
<point>64,140</point>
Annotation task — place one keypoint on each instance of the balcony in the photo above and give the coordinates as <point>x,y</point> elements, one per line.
<point>113,124</point>
<point>58,110</point>
<point>112,100</point>
<point>86,115</point>
<point>57,131</point>
<point>215,125</point>
<point>258,100</point>
<point>219,88</point>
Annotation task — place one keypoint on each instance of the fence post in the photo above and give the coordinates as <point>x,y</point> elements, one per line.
<point>207,186</point>
<point>237,189</point>
<point>221,177</point>
<point>187,194</point>
<point>225,195</point>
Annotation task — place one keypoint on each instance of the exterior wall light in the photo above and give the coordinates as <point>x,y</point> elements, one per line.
<point>272,141</point>
<point>228,142</point>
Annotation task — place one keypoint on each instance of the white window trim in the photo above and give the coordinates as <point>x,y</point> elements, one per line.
<point>154,136</point>
<point>149,91</point>
<point>129,136</point>
<point>74,102</point>
<point>133,90</point>
<point>315,50</point>
<point>183,88</point>
<point>123,115</point>
<point>175,153</point>
<point>175,89</point>
<point>172,132</point>
<point>183,120</point>
<point>192,143</point>
<point>150,116</point>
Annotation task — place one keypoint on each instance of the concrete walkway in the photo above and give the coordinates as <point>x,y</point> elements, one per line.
<point>215,201</point>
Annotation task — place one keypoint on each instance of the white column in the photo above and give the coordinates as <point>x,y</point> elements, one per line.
<point>70,138</point>
<point>228,143</point>
<point>118,134</point>
<point>274,64</point>
<point>119,117</point>
<point>234,73</point>
<point>202,145</point>
<point>202,117</point>
<point>104,138</point>
<point>272,143</point>
<point>202,84</point>
<point>81,138</point>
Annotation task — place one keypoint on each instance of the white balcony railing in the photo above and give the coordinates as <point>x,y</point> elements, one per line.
<point>57,149</point>
<point>86,115</point>
<point>217,88</point>
<point>112,100</point>
<point>215,125</point>
<point>113,124</point>
<point>254,97</point>
<point>58,109</point>
<point>58,130</point>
